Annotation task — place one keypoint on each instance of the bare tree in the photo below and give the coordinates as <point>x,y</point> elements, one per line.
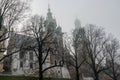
<point>44,42</point>
<point>112,59</point>
<point>94,47</point>
<point>11,13</point>
<point>75,48</point>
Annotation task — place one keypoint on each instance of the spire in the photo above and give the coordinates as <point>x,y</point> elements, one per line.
<point>50,21</point>
<point>77,23</point>
<point>49,8</point>
<point>49,14</point>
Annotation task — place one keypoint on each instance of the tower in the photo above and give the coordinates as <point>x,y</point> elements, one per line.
<point>77,23</point>
<point>50,23</point>
<point>57,46</point>
<point>49,14</point>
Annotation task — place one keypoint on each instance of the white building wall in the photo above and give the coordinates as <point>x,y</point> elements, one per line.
<point>65,72</point>
<point>88,78</point>
<point>25,70</point>
<point>61,72</point>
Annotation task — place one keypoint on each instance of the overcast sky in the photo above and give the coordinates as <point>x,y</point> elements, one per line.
<point>105,13</point>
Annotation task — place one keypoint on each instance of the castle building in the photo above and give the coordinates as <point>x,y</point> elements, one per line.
<point>26,62</point>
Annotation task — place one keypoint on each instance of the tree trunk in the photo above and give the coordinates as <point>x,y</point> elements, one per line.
<point>77,69</point>
<point>77,73</point>
<point>40,62</point>
<point>40,71</point>
<point>115,78</point>
<point>96,77</point>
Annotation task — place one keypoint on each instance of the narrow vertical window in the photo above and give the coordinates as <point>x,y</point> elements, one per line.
<point>21,64</point>
<point>31,55</point>
<point>21,54</point>
<point>31,65</point>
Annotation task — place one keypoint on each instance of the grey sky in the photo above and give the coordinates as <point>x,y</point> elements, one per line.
<point>105,13</point>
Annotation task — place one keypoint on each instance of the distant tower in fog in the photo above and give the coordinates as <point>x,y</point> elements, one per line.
<point>77,23</point>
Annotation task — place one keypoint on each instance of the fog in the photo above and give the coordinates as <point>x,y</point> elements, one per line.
<point>104,13</point>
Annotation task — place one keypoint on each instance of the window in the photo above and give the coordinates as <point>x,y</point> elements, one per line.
<point>31,65</point>
<point>21,54</point>
<point>58,71</point>
<point>31,55</point>
<point>21,64</point>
